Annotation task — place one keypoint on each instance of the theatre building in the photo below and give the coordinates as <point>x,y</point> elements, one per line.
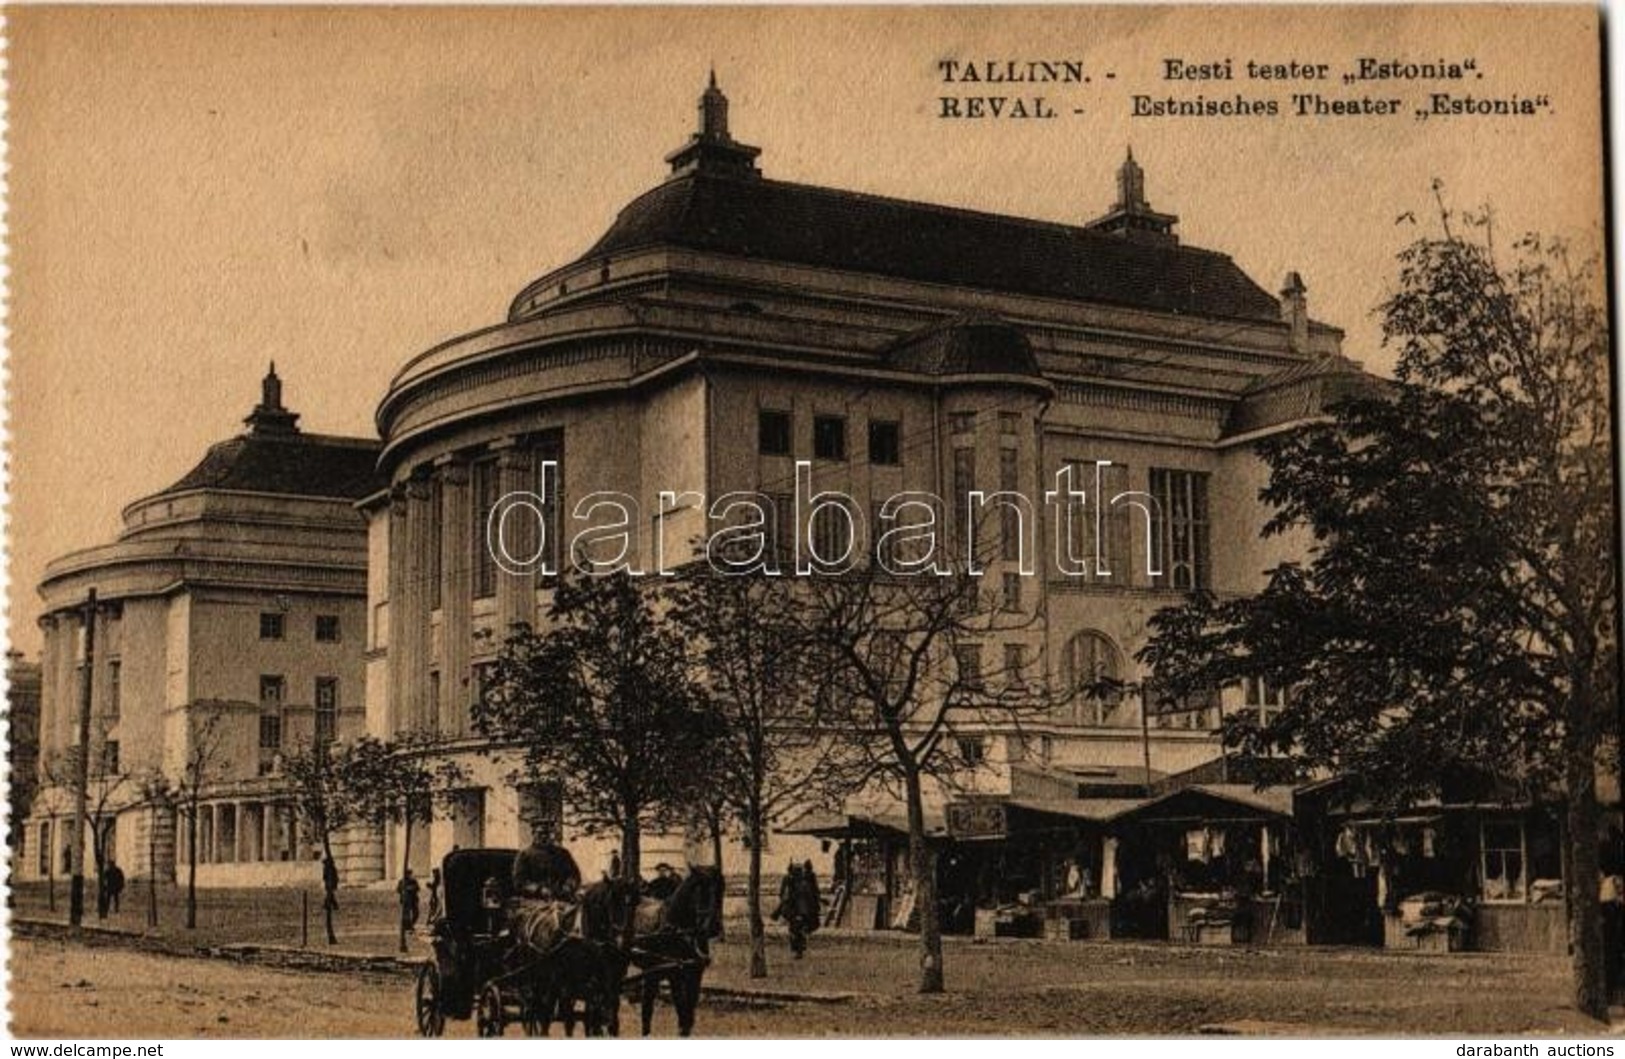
<point>727,325</point>
<point>229,614</point>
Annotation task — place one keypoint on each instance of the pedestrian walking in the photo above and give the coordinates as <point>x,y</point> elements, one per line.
<point>407,888</point>
<point>330,884</point>
<point>115,885</point>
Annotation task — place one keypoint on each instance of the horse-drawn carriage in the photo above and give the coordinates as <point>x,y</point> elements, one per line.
<point>480,969</point>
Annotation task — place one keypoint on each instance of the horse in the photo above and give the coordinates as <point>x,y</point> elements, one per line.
<point>590,967</point>
<point>673,944</point>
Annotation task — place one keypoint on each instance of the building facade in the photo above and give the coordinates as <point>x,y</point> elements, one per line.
<point>728,326</point>
<point>22,746</point>
<point>228,631</point>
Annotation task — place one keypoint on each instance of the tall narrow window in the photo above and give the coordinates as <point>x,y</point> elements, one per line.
<point>483,482</point>
<point>1180,529</point>
<point>549,448</point>
<point>1009,517</point>
<point>115,693</point>
<point>968,657</point>
<point>1262,699</point>
<point>964,485</point>
<point>784,529</point>
<point>273,690</point>
<point>1094,673</point>
<point>1113,563</point>
<point>327,709</point>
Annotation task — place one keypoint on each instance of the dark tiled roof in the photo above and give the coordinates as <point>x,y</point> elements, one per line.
<point>798,223</point>
<point>966,345</point>
<point>293,464</point>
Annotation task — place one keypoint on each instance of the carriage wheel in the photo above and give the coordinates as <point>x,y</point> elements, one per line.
<point>488,1018</point>
<point>431,1017</point>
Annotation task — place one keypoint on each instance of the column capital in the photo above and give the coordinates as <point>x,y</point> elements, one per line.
<point>452,468</point>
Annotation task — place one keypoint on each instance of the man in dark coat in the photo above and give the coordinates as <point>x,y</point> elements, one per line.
<point>115,885</point>
<point>407,888</point>
<point>545,881</point>
<point>665,882</point>
<point>799,905</point>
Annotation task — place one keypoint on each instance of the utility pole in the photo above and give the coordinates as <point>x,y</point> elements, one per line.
<point>81,770</point>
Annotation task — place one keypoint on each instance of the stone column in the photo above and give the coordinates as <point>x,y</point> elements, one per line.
<point>516,593</point>
<point>395,720</point>
<point>409,621</point>
<point>457,543</point>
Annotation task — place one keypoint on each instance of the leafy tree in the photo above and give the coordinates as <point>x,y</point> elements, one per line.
<point>602,704</point>
<point>1457,613</point>
<point>900,687</point>
<point>397,783</point>
<point>770,755</point>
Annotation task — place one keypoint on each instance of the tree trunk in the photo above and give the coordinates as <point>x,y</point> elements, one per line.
<point>98,855</point>
<point>406,864</point>
<point>152,868</point>
<point>191,867</point>
<point>753,904</point>
<point>716,862</point>
<point>327,898</point>
<point>923,864</point>
<point>631,865</point>
<point>1587,951</point>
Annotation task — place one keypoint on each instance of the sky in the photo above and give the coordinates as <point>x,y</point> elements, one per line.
<point>195,192</point>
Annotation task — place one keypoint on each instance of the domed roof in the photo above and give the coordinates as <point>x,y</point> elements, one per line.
<point>276,457</point>
<point>770,220</point>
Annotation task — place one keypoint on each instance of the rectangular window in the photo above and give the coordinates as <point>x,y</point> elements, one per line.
<point>271,626</point>
<point>541,809</point>
<point>270,732</point>
<point>1012,592</point>
<point>1015,664</point>
<point>969,659</point>
<point>115,690</point>
<point>110,757</point>
<point>1180,529</point>
<point>773,433</point>
<point>45,848</point>
<point>1504,877</point>
<point>327,628</point>
<point>484,485</point>
<point>327,709</point>
<point>885,444</point>
<point>972,749</point>
<point>829,438</point>
<point>961,422</point>
<point>1262,698</point>
<point>1009,423</point>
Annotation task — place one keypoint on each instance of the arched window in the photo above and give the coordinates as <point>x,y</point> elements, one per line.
<point>1094,674</point>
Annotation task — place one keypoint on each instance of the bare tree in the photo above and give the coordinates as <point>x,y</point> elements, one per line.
<point>747,641</point>
<point>903,689</point>
<point>104,786</point>
<point>202,765</point>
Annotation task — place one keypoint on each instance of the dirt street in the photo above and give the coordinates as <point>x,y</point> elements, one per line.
<point>65,989</point>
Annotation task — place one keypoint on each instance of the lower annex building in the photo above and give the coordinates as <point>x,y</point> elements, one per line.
<point>230,614</point>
